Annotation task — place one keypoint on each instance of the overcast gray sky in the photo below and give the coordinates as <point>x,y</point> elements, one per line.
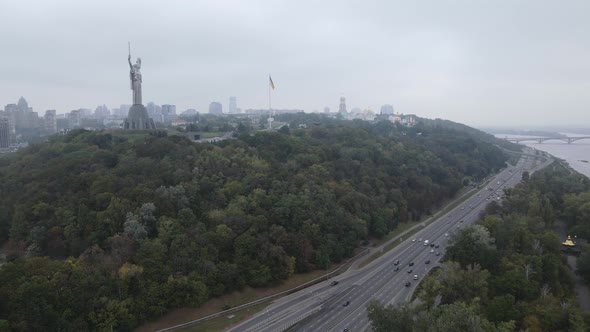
<point>482,63</point>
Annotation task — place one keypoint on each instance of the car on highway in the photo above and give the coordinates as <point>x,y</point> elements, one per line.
<point>420,240</point>
<point>431,250</point>
<point>446,234</point>
<point>334,283</point>
<point>345,304</point>
<point>396,268</point>
<point>436,246</point>
<point>411,264</point>
<point>410,271</point>
<point>432,245</point>
<point>462,208</point>
<point>345,330</point>
<point>415,277</point>
<point>427,261</point>
<point>396,262</point>
<point>414,240</point>
<point>408,284</point>
<point>438,253</point>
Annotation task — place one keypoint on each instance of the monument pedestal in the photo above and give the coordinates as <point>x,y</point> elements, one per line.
<point>138,118</point>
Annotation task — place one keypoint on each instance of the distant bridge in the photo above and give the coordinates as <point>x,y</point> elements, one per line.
<point>540,140</point>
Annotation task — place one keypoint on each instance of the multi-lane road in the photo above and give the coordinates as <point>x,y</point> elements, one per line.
<point>338,307</point>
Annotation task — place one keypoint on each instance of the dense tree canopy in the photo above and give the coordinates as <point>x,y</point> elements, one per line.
<point>110,229</point>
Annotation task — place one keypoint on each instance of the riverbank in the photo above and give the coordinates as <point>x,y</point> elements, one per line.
<point>576,154</point>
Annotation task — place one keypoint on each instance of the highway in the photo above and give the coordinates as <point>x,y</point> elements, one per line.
<point>327,307</point>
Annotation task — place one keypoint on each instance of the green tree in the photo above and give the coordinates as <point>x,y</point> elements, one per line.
<point>463,284</point>
<point>429,291</point>
<point>583,264</point>
<point>385,319</point>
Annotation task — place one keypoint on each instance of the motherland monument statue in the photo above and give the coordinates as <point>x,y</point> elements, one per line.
<point>138,116</point>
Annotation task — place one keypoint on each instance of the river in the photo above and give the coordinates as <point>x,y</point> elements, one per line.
<point>576,154</point>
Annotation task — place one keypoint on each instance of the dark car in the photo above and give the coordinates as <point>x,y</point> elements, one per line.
<point>436,246</point>
<point>428,261</point>
<point>408,284</point>
<point>334,283</point>
<point>438,253</point>
<point>411,263</point>
<point>410,271</point>
<point>396,262</point>
<point>432,244</point>
<point>396,268</point>
<point>346,303</point>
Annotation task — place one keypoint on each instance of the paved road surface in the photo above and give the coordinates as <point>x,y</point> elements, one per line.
<point>333,308</point>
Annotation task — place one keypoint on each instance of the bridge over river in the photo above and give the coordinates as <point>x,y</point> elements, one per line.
<point>540,140</point>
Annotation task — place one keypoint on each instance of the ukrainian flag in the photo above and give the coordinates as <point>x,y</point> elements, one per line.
<point>272,85</point>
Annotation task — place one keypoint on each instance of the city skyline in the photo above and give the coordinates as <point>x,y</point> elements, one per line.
<point>479,63</point>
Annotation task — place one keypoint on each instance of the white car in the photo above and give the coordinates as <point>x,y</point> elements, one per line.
<point>415,277</point>
<point>446,234</point>
<point>431,250</point>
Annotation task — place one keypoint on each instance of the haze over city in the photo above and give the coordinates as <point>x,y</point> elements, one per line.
<point>482,63</point>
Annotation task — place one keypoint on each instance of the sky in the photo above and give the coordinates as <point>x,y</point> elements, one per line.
<point>519,63</point>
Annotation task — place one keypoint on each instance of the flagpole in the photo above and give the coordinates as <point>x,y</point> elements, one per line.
<point>269,104</point>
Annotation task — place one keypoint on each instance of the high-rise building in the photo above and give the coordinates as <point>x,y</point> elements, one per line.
<point>102,112</point>
<point>50,122</point>
<point>22,116</point>
<point>121,112</point>
<point>387,109</point>
<point>74,119</point>
<point>233,105</point>
<point>168,113</point>
<point>23,106</point>
<point>168,109</point>
<point>10,108</point>
<point>215,108</point>
<point>10,111</point>
<point>85,113</point>
<point>50,119</point>
<point>154,111</point>
<point>342,108</point>
<point>4,132</point>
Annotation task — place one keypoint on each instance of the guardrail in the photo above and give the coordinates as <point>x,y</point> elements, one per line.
<point>264,299</point>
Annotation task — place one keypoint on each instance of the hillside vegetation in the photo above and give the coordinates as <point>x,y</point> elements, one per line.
<point>108,231</point>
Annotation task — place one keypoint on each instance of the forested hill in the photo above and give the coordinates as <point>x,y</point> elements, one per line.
<point>154,222</point>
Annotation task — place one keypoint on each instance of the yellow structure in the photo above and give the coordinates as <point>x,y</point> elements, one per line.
<point>569,242</point>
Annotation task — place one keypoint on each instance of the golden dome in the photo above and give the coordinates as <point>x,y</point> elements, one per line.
<point>569,242</point>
